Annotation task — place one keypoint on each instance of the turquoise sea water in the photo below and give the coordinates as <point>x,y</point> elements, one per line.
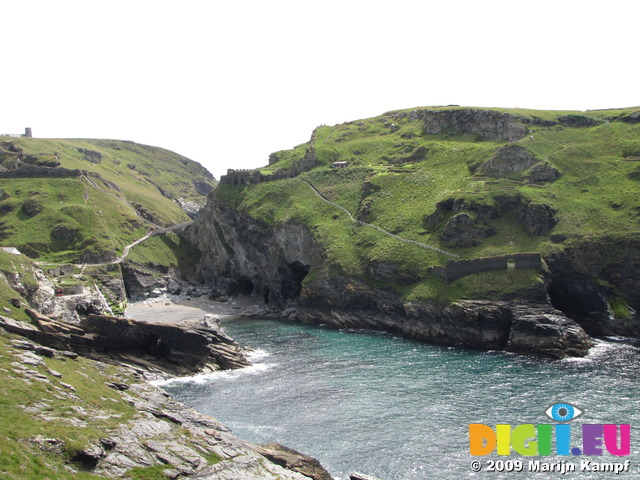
<point>400,410</point>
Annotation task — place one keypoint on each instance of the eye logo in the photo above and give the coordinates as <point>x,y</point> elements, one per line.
<point>563,412</point>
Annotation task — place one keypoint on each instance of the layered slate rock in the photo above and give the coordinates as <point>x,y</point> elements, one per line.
<point>155,347</point>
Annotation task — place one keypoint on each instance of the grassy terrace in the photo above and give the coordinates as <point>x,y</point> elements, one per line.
<point>397,175</point>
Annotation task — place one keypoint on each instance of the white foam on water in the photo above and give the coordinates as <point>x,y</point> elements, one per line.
<point>601,348</point>
<point>215,376</point>
<point>257,354</point>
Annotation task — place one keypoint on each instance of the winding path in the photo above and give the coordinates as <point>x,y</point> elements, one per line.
<point>126,249</point>
<point>360,222</point>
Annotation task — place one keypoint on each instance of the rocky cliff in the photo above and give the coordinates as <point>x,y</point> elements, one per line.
<point>244,255</point>
<point>538,206</point>
<point>285,263</point>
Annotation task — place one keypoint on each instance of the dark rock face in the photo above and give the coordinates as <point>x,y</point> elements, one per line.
<point>191,349</point>
<point>388,272</point>
<point>486,124</point>
<point>146,213</point>
<point>530,328</point>
<point>543,173</point>
<point>91,156</point>
<point>464,230</point>
<point>586,280</point>
<point>64,232</point>
<point>243,255</point>
<point>98,257</point>
<point>293,460</point>
<point>43,160</point>
<point>139,284</point>
<point>578,121</point>
<point>549,334</point>
<point>538,218</point>
<point>203,188</point>
<point>508,159</point>
<point>633,117</point>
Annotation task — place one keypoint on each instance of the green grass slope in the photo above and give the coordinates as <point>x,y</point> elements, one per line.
<point>127,188</point>
<point>399,175</point>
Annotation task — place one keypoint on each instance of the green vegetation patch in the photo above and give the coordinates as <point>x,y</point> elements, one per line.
<point>168,249</point>
<point>153,472</point>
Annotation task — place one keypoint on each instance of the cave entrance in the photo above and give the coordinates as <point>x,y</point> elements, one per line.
<point>244,287</point>
<point>291,285</point>
<point>580,300</point>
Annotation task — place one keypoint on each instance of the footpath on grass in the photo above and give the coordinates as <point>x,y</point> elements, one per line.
<point>125,251</point>
<point>365,224</point>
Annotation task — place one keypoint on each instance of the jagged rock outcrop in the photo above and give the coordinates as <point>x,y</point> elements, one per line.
<point>152,280</point>
<point>486,124</point>
<point>596,283</point>
<point>508,159</point>
<point>32,206</point>
<point>463,229</point>
<point>293,460</point>
<point>91,156</point>
<point>244,255</point>
<point>578,121</point>
<point>542,173</point>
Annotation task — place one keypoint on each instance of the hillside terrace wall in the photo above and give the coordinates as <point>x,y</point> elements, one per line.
<point>455,269</point>
<point>36,171</point>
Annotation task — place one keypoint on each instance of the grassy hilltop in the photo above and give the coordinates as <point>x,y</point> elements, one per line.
<point>122,189</point>
<point>473,182</point>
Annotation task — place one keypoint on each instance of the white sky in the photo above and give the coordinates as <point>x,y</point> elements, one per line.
<point>226,83</point>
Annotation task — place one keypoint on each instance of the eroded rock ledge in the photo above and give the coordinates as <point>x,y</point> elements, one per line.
<point>162,348</point>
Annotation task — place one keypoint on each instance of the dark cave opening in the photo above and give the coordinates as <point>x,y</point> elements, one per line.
<point>581,301</point>
<point>291,284</point>
<point>243,286</point>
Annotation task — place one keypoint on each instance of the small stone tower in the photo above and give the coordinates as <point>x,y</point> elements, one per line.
<point>27,132</point>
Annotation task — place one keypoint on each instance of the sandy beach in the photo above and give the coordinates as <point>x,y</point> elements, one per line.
<point>190,312</point>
